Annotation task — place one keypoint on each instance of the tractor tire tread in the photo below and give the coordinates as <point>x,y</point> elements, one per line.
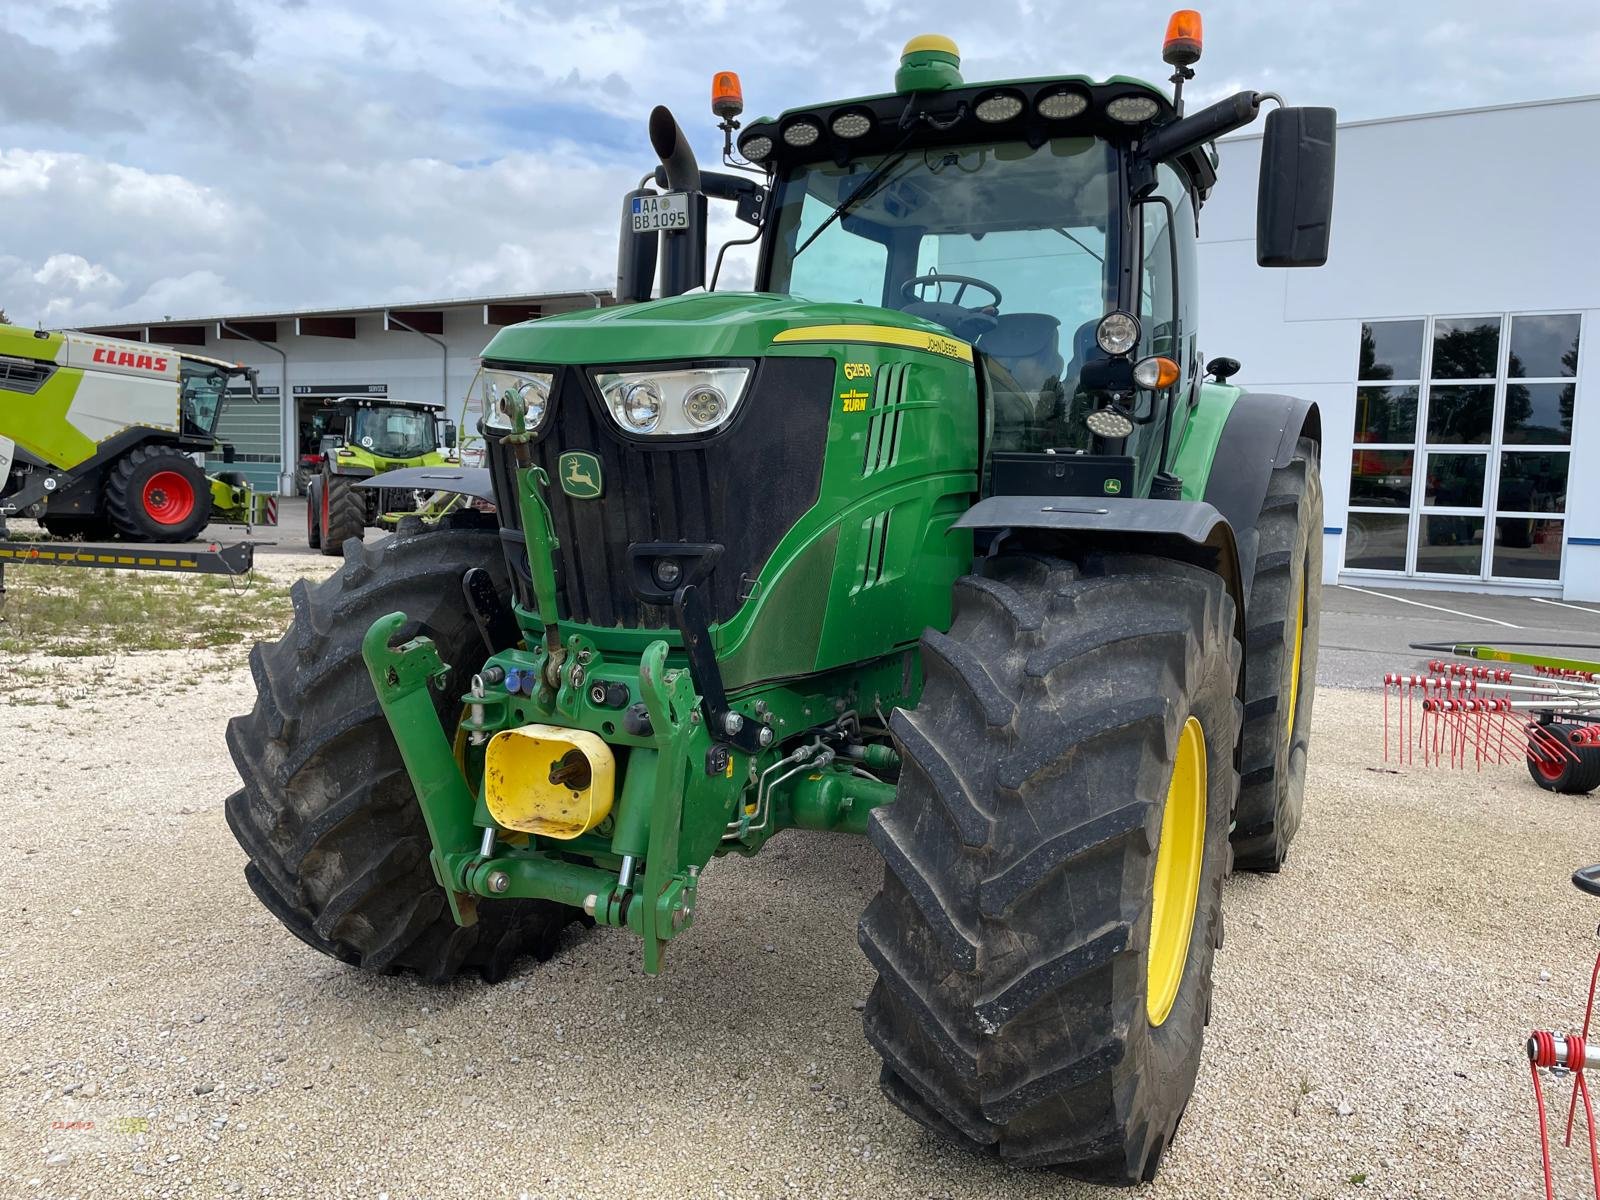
<point>1272,775</point>
<point>347,514</point>
<point>1032,773</point>
<point>125,503</point>
<point>336,843</point>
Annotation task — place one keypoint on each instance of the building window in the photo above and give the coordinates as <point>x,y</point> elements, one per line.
<point>1462,434</point>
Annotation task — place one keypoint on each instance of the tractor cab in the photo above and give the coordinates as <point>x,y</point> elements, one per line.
<point>1049,224</point>
<point>203,386</point>
<point>383,429</point>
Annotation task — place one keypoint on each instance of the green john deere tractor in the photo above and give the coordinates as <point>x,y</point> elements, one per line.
<point>361,439</point>
<point>941,535</point>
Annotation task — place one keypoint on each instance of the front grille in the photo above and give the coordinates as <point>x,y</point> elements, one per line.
<point>743,487</point>
<point>25,375</point>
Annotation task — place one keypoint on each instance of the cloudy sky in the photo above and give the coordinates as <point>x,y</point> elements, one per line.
<point>185,157</point>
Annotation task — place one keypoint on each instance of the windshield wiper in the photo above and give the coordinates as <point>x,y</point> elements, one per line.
<point>874,182</point>
<point>876,178</point>
<point>1078,243</point>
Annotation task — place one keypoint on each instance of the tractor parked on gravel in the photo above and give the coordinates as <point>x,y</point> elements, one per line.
<point>942,535</point>
<point>99,437</point>
<point>360,439</point>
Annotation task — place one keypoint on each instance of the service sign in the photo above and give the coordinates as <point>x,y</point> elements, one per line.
<point>670,210</point>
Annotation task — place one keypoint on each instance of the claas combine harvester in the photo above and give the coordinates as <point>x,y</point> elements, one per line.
<point>944,535</point>
<point>99,437</point>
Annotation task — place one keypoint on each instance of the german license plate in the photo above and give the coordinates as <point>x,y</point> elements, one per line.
<point>670,210</point>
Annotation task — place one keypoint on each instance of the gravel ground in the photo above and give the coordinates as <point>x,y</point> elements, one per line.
<point>162,1035</point>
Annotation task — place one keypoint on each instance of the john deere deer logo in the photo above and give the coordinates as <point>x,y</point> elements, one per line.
<point>580,475</point>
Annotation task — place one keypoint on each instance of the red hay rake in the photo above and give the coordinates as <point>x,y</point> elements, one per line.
<point>1558,1054</point>
<point>1460,714</point>
<point>1547,714</point>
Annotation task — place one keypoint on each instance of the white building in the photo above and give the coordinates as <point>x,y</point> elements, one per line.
<point>410,352</point>
<point>1452,342</point>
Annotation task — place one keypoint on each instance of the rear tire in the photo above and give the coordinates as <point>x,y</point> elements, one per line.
<point>158,494</point>
<point>1279,698</point>
<point>1013,932</point>
<point>1568,777</point>
<point>337,845</point>
<point>344,513</point>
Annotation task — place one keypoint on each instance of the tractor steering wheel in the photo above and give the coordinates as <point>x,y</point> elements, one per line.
<point>952,314</point>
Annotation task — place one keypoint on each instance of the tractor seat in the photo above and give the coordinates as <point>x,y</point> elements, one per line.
<point>1024,364</point>
<point>1028,346</point>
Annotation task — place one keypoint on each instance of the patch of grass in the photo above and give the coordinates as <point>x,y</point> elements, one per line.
<point>74,613</point>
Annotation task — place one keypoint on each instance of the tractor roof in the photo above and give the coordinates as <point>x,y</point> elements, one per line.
<point>933,105</point>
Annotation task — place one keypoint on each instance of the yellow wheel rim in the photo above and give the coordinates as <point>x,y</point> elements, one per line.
<point>1294,669</point>
<point>1177,880</point>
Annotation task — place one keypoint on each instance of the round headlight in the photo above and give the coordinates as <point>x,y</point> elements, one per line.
<point>1117,333</point>
<point>667,572</point>
<point>852,125</point>
<point>1001,106</point>
<point>1108,423</point>
<point>1058,106</point>
<point>641,405</point>
<point>1130,110</point>
<point>535,399</point>
<point>802,133</point>
<point>704,405</point>
<point>756,148</point>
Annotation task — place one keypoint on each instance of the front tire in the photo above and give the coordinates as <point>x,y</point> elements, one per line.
<point>1280,673</point>
<point>344,513</point>
<point>314,514</point>
<point>1030,1000</point>
<point>337,847</point>
<point>158,494</point>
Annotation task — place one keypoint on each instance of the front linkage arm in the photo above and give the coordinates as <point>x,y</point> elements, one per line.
<point>469,866</point>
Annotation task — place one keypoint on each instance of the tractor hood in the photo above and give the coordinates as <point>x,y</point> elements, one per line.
<point>697,325</point>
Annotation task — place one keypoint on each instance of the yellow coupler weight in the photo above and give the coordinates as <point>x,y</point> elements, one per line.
<point>549,781</point>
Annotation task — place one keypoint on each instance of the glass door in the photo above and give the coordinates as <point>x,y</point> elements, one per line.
<point>1462,434</point>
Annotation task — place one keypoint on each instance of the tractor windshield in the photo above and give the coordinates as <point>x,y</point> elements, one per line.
<point>396,432</point>
<point>1005,244</point>
<point>203,389</point>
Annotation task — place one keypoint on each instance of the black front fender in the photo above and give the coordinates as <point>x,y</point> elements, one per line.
<point>1260,436</point>
<point>1185,530</point>
<point>463,481</point>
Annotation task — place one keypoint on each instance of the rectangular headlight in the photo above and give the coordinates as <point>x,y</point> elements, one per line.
<point>672,403</point>
<point>502,388</point>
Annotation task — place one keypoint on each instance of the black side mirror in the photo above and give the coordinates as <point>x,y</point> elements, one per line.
<point>1222,367</point>
<point>1294,206</point>
<point>449,435</point>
